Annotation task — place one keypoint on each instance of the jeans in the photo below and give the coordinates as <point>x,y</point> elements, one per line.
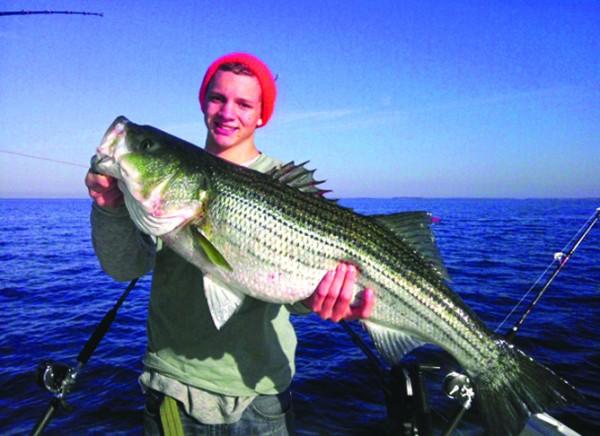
<point>266,415</point>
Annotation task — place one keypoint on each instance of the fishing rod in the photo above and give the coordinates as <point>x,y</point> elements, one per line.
<point>562,258</point>
<point>7,13</point>
<point>59,378</point>
<point>458,386</point>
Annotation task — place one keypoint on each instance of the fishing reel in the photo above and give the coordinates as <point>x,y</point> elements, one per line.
<point>56,378</point>
<point>458,387</point>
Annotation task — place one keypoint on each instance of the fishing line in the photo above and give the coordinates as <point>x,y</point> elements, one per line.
<point>576,235</point>
<point>525,295</point>
<point>48,159</point>
<point>560,258</point>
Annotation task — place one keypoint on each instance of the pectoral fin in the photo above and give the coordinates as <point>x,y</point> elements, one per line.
<point>222,302</point>
<point>211,252</point>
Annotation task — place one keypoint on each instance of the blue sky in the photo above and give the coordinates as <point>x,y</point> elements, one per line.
<point>385,98</point>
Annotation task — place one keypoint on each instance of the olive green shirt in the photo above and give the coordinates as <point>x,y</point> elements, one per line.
<point>253,353</point>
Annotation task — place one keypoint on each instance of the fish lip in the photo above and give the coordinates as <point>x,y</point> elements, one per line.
<point>100,162</point>
<point>102,159</point>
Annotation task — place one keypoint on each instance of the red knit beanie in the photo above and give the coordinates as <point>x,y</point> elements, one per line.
<point>258,68</point>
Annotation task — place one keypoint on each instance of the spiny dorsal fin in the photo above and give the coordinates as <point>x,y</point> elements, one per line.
<point>414,228</point>
<point>297,176</point>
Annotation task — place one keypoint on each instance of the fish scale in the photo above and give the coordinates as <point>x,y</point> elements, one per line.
<point>435,309</point>
<point>253,235</point>
<point>319,257</point>
<point>251,209</point>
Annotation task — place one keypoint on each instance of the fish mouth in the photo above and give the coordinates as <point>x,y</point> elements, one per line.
<point>101,162</point>
<point>106,160</point>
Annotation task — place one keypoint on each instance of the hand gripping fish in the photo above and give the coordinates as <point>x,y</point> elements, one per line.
<point>265,236</point>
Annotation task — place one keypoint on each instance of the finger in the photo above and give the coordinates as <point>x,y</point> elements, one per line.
<point>107,197</point>
<point>99,182</point>
<point>315,301</point>
<point>97,191</point>
<point>90,180</point>
<point>113,197</point>
<point>333,291</point>
<point>363,306</point>
<point>106,182</point>
<point>100,198</point>
<point>94,195</point>
<point>341,307</point>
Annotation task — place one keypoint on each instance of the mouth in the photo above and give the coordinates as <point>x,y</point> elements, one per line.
<point>223,129</point>
<point>108,153</point>
<point>101,162</point>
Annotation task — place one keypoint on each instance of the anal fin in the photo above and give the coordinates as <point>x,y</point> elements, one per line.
<point>392,344</point>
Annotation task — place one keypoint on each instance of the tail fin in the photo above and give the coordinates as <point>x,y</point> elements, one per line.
<point>514,386</point>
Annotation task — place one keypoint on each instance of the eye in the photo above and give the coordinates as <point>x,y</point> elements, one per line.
<point>147,145</point>
<point>215,98</point>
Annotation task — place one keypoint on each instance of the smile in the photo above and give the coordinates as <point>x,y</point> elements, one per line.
<point>224,130</point>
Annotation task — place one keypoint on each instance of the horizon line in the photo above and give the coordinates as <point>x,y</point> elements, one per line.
<point>362,197</point>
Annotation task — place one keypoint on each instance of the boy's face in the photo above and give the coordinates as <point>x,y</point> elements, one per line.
<point>232,109</point>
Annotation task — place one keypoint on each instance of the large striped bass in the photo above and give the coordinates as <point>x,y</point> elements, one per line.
<point>265,236</point>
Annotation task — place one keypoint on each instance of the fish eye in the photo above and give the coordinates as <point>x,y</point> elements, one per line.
<point>147,145</point>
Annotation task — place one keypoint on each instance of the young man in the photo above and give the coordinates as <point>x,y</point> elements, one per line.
<point>236,379</point>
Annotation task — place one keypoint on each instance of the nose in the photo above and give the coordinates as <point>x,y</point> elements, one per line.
<point>226,110</point>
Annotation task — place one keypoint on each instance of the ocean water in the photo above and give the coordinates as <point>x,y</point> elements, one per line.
<point>53,293</point>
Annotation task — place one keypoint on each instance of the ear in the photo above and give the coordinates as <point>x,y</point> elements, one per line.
<point>260,122</point>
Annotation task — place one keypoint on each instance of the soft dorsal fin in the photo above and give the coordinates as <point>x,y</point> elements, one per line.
<point>415,229</point>
<point>297,176</point>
